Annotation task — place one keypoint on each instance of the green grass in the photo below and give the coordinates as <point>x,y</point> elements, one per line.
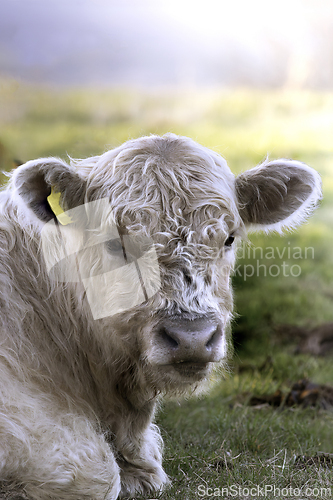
<point>218,440</point>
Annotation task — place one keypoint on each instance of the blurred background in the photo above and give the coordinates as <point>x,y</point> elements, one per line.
<point>148,43</point>
<point>247,79</point>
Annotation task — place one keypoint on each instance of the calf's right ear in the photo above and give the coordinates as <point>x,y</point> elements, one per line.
<point>277,195</point>
<point>32,184</point>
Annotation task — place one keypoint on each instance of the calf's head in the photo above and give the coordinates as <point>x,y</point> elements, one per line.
<point>150,235</point>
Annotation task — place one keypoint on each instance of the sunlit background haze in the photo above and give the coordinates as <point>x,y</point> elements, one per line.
<point>147,43</point>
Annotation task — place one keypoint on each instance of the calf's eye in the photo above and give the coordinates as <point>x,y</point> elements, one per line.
<point>114,246</point>
<point>229,241</point>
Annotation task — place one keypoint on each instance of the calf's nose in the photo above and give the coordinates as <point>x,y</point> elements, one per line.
<point>194,340</point>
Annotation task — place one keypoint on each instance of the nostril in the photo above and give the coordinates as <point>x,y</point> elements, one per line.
<point>215,337</point>
<point>167,338</point>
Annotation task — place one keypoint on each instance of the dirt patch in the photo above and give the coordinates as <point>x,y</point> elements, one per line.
<point>320,460</point>
<point>303,393</point>
<point>317,340</point>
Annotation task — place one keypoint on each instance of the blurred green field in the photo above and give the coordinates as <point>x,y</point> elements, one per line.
<point>219,441</point>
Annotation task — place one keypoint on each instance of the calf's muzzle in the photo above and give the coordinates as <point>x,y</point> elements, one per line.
<point>190,340</point>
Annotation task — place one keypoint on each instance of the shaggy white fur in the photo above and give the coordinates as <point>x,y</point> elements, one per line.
<point>78,394</point>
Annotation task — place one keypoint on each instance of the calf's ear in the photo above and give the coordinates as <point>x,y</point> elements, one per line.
<point>32,184</point>
<point>277,195</point>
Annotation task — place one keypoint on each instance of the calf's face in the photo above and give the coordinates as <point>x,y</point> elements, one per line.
<point>152,229</point>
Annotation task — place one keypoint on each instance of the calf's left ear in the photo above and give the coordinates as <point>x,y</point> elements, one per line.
<point>277,195</point>
<point>32,184</point>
